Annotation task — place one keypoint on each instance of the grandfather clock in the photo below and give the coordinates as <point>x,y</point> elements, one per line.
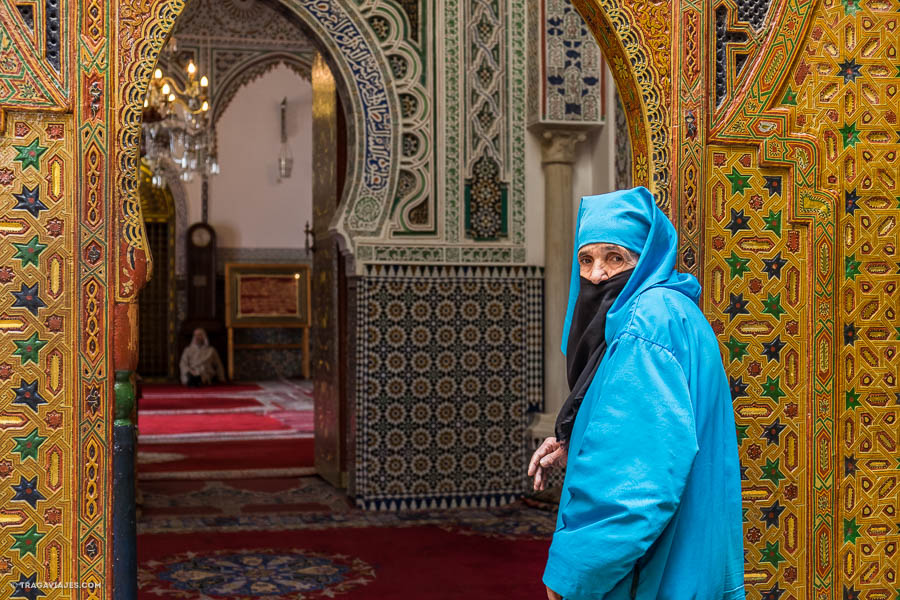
<point>201,272</point>
<point>201,287</point>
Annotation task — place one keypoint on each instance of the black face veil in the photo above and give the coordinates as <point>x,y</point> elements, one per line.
<point>587,344</point>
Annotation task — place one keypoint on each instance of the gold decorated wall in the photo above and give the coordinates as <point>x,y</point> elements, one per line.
<point>37,327</point>
<point>768,131</point>
<point>72,259</point>
<point>781,175</point>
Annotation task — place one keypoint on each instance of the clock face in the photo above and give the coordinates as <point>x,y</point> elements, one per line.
<point>200,237</point>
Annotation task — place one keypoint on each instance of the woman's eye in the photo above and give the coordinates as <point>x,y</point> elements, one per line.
<point>616,258</point>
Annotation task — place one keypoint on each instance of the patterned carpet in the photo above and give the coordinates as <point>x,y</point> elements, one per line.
<point>299,538</point>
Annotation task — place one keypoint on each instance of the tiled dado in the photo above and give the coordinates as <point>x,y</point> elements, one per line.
<point>449,364</point>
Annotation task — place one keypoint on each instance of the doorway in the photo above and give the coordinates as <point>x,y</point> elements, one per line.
<point>156,300</point>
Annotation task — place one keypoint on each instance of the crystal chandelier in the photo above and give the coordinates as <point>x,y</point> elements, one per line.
<point>176,132</point>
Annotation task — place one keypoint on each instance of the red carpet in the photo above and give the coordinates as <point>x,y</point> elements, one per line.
<point>198,402</point>
<point>151,389</point>
<point>170,424</point>
<point>225,431</point>
<point>373,563</point>
<point>232,458</point>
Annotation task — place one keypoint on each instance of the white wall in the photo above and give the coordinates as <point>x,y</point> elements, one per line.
<point>248,207</point>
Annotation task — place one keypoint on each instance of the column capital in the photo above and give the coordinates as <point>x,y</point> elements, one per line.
<point>558,145</point>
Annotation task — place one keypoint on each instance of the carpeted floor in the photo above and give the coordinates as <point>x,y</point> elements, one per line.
<point>225,431</point>
<point>299,538</point>
<point>278,457</point>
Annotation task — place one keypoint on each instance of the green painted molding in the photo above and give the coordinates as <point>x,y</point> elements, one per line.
<point>125,398</point>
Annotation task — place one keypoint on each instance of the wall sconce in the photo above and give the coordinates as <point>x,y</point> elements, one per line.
<point>285,158</point>
<point>310,247</point>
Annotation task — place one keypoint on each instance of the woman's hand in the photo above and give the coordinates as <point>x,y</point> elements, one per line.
<point>549,454</point>
<point>551,595</point>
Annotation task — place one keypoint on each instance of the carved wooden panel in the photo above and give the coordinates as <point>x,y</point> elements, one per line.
<point>782,133</point>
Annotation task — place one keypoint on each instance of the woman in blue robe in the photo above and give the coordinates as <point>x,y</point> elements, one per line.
<point>651,502</point>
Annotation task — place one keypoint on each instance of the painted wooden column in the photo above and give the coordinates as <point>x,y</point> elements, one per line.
<point>558,159</point>
<point>124,513</point>
<point>565,58</point>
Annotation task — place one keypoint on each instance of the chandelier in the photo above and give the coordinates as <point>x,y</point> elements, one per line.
<point>176,132</point>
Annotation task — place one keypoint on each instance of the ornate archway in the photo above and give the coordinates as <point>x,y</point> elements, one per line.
<point>367,91</point>
<point>74,78</point>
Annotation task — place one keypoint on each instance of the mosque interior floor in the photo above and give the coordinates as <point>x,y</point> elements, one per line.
<point>294,538</point>
<point>227,512</point>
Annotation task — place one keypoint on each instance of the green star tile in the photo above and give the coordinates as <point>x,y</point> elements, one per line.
<point>772,389</point>
<point>27,447</point>
<point>737,264</point>
<point>898,197</point>
<point>851,530</point>
<point>26,543</point>
<point>744,514</point>
<point>772,306</point>
<point>851,267</point>
<point>742,433</point>
<point>850,134</point>
<point>27,350</point>
<point>898,333</point>
<point>30,155</point>
<point>739,182</point>
<point>772,554</point>
<point>852,399</point>
<point>772,471</point>
<point>790,97</point>
<point>851,7</point>
<point>773,222</point>
<point>29,253</point>
<point>736,349</point>
<point>898,589</point>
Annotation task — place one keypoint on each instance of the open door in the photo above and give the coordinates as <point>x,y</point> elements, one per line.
<point>327,292</point>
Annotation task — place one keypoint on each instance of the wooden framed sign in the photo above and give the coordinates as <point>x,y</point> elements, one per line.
<point>267,295</point>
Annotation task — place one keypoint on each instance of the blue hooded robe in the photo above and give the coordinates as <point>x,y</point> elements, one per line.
<point>651,503</point>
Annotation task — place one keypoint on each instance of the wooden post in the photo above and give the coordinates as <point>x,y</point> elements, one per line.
<point>306,353</point>
<point>230,354</point>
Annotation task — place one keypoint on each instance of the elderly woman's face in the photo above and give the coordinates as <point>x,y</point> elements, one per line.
<point>599,262</point>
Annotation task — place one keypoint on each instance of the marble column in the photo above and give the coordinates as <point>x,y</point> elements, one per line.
<point>558,159</point>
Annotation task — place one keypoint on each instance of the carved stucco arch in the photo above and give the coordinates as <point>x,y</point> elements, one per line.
<point>637,85</point>
<point>247,71</point>
<point>364,82</point>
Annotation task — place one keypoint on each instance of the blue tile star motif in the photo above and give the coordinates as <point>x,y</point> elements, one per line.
<point>27,588</point>
<point>739,221</point>
<point>28,298</point>
<point>773,432</point>
<point>770,514</point>
<point>772,350</point>
<point>774,593</point>
<point>28,199</point>
<point>736,306</point>
<point>773,184</point>
<point>772,266</point>
<point>738,387</point>
<point>849,70</point>
<point>850,201</point>
<point>27,491</point>
<point>28,395</point>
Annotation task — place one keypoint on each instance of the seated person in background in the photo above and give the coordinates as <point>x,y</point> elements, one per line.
<point>200,363</point>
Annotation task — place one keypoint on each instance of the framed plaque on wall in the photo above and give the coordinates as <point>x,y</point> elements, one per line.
<point>267,295</point>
